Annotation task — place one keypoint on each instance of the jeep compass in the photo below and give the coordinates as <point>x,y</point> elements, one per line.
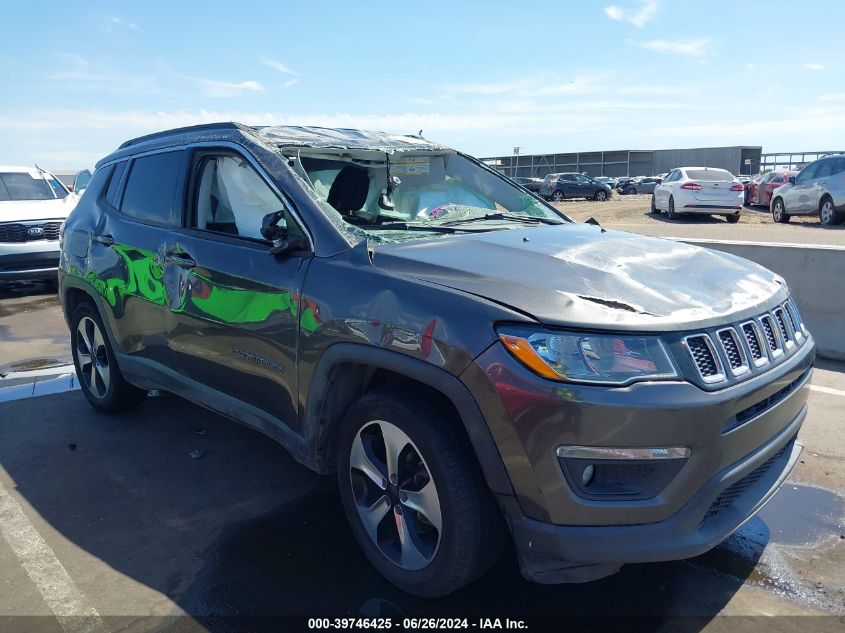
<point>468,362</point>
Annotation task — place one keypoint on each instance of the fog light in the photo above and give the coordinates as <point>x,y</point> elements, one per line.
<point>617,473</point>
<point>587,475</point>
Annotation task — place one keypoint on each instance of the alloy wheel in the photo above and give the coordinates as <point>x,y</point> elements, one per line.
<point>778,211</point>
<point>601,196</point>
<point>92,357</point>
<point>395,495</point>
<point>827,212</point>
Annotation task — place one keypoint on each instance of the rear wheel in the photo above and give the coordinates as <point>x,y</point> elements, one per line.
<point>779,214</point>
<point>99,376</point>
<point>630,191</point>
<point>671,214</point>
<point>733,219</point>
<point>558,196</point>
<point>827,212</point>
<point>600,196</point>
<point>413,494</point>
<point>653,205</point>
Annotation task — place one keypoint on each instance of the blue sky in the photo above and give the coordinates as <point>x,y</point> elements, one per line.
<point>78,79</point>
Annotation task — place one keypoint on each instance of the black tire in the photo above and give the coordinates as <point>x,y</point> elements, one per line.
<point>827,212</point>
<point>558,196</point>
<point>671,213</point>
<point>779,214</point>
<point>733,218</point>
<point>653,205</point>
<point>105,395</point>
<point>600,196</point>
<point>631,191</point>
<point>470,537</point>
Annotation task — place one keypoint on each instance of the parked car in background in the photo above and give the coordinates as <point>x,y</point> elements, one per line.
<point>819,188</point>
<point>759,191</point>
<point>702,190</point>
<point>599,397</point>
<point>639,185</point>
<point>532,184</point>
<point>557,187</point>
<point>610,182</point>
<point>33,205</point>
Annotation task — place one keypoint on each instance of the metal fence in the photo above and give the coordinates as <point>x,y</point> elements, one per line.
<point>790,161</point>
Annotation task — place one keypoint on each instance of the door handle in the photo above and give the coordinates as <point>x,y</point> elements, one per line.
<point>105,240</point>
<point>183,260</point>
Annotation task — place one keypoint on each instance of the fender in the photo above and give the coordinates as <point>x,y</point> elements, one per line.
<point>450,386</point>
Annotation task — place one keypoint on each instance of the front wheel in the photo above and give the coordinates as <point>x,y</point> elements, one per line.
<point>99,376</point>
<point>413,494</point>
<point>779,214</point>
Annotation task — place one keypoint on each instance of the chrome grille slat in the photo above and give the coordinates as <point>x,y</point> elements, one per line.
<point>705,358</point>
<point>737,360</point>
<point>754,340</point>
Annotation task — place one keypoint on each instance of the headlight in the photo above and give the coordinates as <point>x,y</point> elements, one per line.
<point>611,359</point>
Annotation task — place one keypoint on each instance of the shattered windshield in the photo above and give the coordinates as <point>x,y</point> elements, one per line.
<point>397,196</point>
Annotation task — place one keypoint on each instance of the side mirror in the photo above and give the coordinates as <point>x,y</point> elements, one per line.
<point>792,180</point>
<point>274,229</point>
<point>80,181</point>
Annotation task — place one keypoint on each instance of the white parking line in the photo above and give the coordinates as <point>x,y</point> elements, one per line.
<point>830,390</point>
<point>65,600</point>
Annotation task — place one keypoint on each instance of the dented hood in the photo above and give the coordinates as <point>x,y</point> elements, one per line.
<point>577,275</point>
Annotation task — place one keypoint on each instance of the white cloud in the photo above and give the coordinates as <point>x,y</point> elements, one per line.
<point>290,82</point>
<point>77,72</point>
<point>124,23</point>
<point>814,66</point>
<point>216,88</point>
<point>689,48</point>
<point>639,17</point>
<point>277,65</point>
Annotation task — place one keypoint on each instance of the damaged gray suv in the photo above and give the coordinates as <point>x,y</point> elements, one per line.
<point>469,363</point>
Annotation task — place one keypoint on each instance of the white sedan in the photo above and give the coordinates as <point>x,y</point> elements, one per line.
<point>704,190</point>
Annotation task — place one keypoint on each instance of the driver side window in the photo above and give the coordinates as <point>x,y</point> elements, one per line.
<point>232,198</point>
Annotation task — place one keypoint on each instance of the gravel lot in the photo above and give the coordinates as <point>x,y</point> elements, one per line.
<point>633,213</point>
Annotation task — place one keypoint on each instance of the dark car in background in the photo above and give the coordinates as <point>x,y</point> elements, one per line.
<point>465,360</point>
<point>532,184</point>
<point>638,185</point>
<point>558,187</point>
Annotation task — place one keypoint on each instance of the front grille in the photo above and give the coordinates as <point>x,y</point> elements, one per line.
<point>732,493</point>
<point>746,348</point>
<point>750,333</point>
<point>29,231</point>
<point>732,350</point>
<point>704,356</point>
<point>769,331</point>
<point>781,319</point>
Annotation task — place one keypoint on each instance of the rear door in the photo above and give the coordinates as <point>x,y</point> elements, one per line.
<point>820,184</point>
<point>234,312</point>
<point>569,186</point>
<point>127,251</point>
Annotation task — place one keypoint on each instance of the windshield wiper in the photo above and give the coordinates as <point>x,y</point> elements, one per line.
<point>411,226</point>
<point>525,219</point>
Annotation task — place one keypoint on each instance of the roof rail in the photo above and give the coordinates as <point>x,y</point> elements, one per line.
<point>191,128</point>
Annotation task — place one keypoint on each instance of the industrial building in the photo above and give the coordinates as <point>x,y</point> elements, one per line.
<point>740,159</point>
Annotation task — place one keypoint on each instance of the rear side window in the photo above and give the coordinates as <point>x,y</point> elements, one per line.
<point>710,175</point>
<point>150,192</point>
<point>114,183</point>
<point>839,165</point>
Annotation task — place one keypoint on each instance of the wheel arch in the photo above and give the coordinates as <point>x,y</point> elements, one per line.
<point>346,371</point>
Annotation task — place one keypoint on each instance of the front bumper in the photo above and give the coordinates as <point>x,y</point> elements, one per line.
<point>554,553</point>
<point>562,535</point>
<point>29,261</point>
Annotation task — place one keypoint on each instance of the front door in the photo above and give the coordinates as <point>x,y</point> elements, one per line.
<point>234,308</point>
<point>797,199</point>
